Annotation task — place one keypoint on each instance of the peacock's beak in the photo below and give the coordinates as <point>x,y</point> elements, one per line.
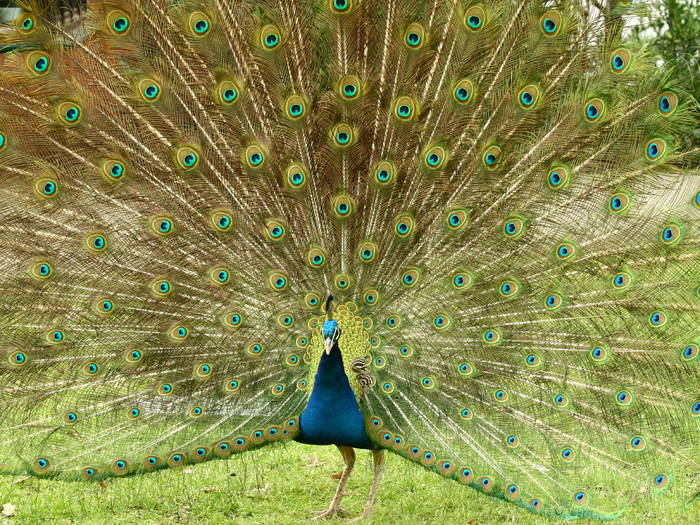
<point>329,345</point>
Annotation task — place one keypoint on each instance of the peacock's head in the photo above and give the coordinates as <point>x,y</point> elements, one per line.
<point>331,334</point>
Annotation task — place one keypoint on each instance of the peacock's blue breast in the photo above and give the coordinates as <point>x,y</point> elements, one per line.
<point>332,416</point>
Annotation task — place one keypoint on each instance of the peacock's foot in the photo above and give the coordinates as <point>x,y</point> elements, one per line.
<point>329,513</point>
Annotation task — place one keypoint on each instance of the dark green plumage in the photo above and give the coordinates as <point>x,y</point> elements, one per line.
<point>499,195</point>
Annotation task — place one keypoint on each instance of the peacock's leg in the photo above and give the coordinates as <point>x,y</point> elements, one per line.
<point>378,456</point>
<point>349,458</point>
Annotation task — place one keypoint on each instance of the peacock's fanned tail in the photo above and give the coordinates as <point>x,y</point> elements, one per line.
<point>499,194</point>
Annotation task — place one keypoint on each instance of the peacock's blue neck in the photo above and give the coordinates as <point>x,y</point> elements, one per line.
<point>332,415</point>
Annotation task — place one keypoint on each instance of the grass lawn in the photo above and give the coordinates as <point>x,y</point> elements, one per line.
<point>277,485</point>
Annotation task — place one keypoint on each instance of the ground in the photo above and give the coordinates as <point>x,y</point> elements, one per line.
<point>277,485</point>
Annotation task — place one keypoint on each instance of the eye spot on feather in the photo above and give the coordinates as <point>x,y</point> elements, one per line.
<point>434,157</point>
<point>623,397</point>
<point>316,257</point>
<point>529,96</point>
<point>475,18</point>
<point>536,504</point>
<point>690,352</point>
<point>463,91</point>
<point>134,413</point>
<point>388,387</point>
<point>695,409</point>
<point>41,270</point>
<point>442,321</point>
<point>658,319</point>
<point>41,465</point>
<point>580,498</point>
<point>620,60</point>
<point>512,492</point>
<point>69,113</point>
<point>295,176</point>
<point>88,472</point>
<point>226,93</point>
<point>199,24</point>
<point>340,6</point>
<point>203,370</point>
<point>485,483</point>
<point>462,280</point>
<point>621,280</point>
<point>270,37</point>
<point>406,350</point>
<point>149,89</point>
<point>278,280</point>
<point>661,480</point>
<point>509,288</point>
<point>566,251</point>
<point>599,353</point>
<point>254,349</point>
<point>405,108</point>
<point>17,359</point>
<point>466,369</point>
<point>410,277</point>
<point>25,23</point>
<point>533,360</point>
<point>414,36</point>
<point>491,157</point>
<point>295,107</point>
<point>492,336</point>
<point>342,281</point>
<point>165,389</point>
<point>619,202</point>
<point>179,333</point>
<point>343,206</point>
<point>561,400</point>
<point>187,158</point>
<point>113,170</point>
<point>371,296</point>
<point>550,23</point>
<point>349,88</point>
<point>670,234</point>
<point>637,443</point>
<point>500,395</point>
<point>367,251</point>
<point>553,301</point>
<point>133,356</point>
<point>558,177</point>
<point>667,103</point>
<point>403,226</point>
<point>467,414</point>
<point>55,337</point>
<point>91,368</point>
<point>275,230</point>
<point>343,135</point>
<point>567,454</point>
<point>38,63</point>
<point>118,22</point>
<point>254,157</point>
<point>466,475</point>
<point>312,300</point>
<point>512,441</point>
<point>514,227</point>
<point>594,110</point>
<point>655,149</point>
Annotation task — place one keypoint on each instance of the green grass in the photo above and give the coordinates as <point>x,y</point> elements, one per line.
<point>278,485</point>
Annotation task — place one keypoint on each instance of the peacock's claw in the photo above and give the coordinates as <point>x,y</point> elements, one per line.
<point>329,513</point>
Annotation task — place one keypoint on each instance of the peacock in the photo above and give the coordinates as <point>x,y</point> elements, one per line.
<point>465,233</point>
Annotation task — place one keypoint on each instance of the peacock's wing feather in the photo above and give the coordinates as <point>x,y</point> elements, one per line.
<point>499,193</point>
